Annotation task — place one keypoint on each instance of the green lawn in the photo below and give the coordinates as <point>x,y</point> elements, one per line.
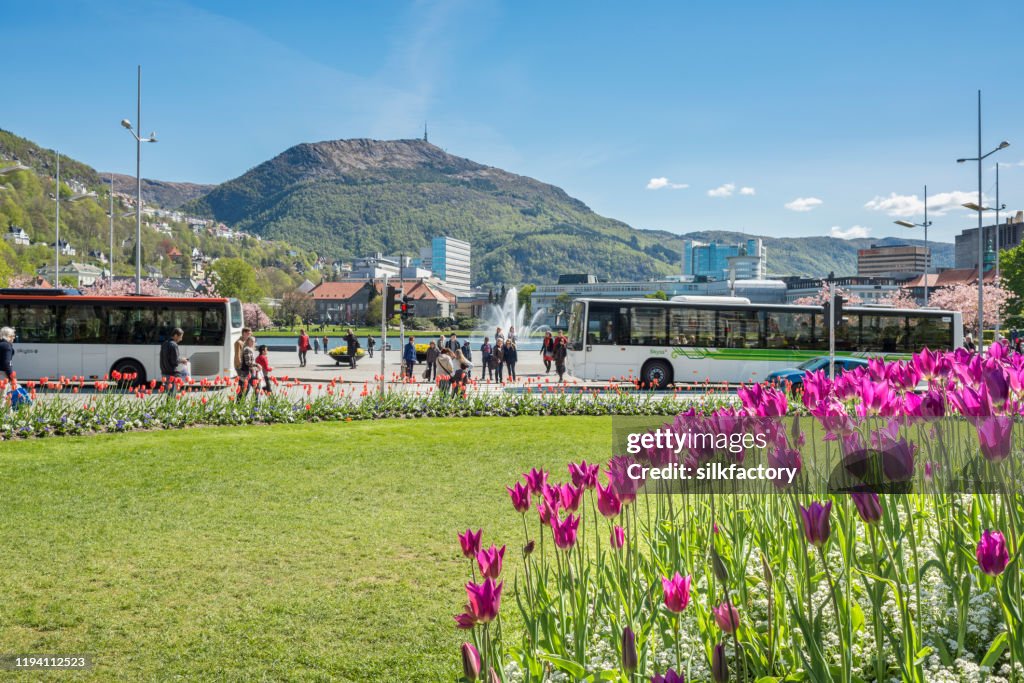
<point>307,552</point>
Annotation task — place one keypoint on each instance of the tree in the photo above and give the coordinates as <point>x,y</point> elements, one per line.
<point>821,298</point>
<point>657,295</point>
<point>901,298</point>
<point>254,317</point>
<point>963,297</point>
<point>296,304</point>
<point>1011,271</point>
<point>524,301</point>
<point>372,316</point>
<point>236,278</point>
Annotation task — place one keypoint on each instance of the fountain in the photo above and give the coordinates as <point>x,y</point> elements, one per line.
<point>508,315</point>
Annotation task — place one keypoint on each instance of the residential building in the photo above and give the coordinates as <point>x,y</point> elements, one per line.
<point>16,235</point>
<point>342,302</point>
<point>429,300</point>
<point>1011,234</point>
<point>81,274</point>
<point>449,260</point>
<point>895,261</point>
<point>66,249</point>
<point>712,259</point>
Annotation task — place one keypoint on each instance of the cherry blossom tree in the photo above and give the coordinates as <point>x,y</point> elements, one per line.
<point>821,298</point>
<point>901,298</point>
<point>963,297</point>
<point>103,287</point>
<point>254,317</point>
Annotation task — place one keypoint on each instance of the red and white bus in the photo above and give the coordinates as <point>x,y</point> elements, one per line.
<point>63,333</point>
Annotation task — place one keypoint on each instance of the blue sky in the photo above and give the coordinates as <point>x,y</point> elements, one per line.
<point>800,118</point>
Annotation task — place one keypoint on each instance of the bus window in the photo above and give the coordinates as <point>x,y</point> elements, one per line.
<point>603,324</point>
<point>788,330</point>
<point>212,332</point>
<point>84,323</point>
<point>237,319</point>
<point>691,327</point>
<point>847,333</point>
<point>648,326</point>
<point>35,322</point>
<point>739,329</point>
<point>576,326</point>
<point>885,333</point>
<point>934,332</point>
<point>131,325</point>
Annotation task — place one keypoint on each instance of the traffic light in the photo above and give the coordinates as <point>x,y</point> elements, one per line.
<point>406,309</point>
<point>839,312</point>
<point>392,303</point>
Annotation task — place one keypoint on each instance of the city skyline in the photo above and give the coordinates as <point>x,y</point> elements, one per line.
<point>786,122</point>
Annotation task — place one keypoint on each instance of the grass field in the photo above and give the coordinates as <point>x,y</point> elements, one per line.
<point>307,552</point>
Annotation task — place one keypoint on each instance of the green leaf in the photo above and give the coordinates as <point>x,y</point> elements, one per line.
<point>562,664</point>
<point>995,650</point>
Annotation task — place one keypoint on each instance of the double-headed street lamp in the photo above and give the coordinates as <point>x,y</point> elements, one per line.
<point>981,238</point>
<point>138,180</point>
<point>927,254</point>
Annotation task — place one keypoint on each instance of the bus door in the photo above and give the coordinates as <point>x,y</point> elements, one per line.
<point>607,343</point>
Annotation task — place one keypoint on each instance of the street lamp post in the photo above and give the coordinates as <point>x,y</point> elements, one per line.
<point>996,247</point>
<point>136,133</point>
<point>927,254</point>
<point>981,237</point>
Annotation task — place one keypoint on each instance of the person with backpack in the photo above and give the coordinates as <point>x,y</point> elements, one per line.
<point>547,351</point>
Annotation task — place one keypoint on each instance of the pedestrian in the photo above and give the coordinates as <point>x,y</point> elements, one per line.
<point>325,344</point>
<point>251,371</point>
<point>511,356</point>
<point>352,346</point>
<point>463,368</point>
<point>409,356</point>
<point>432,353</point>
<point>453,343</point>
<point>499,338</point>
<point>547,351</point>
<point>498,362</point>
<point>7,356</point>
<point>485,360</point>
<point>370,342</point>
<point>303,348</point>
<point>316,345</point>
<point>446,369</point>
<point>468,353</point>
<point>512,334</point>
<point>969,342</point>
<point>263,360</point>
<point>559,355</point>
<point>239,345</point>
<point>173,365</point>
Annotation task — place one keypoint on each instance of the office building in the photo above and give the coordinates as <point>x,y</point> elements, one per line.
<point>892,261</point>
<point>449,260</point>
<point>1011,234</point>
<point>712,260</point>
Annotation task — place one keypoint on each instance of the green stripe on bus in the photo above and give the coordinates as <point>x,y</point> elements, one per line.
<point>693,353</point>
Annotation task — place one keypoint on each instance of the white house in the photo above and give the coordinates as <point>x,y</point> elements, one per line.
<point>16,235</point>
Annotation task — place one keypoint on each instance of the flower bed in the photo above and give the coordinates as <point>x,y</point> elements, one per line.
<point>913,578</point>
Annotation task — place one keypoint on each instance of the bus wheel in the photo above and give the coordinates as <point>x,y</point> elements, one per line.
<point>131,368</point>
<point>656,374</point>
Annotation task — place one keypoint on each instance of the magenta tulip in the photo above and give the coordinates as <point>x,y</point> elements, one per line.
<point>571,496</point>
<point>669,676</point>
<point>608,504</point>
<point>995,436</point>
<point>470,542</point>
<point>816,522</point>
<point>564,531</point>
<point>629,658</point>
<point>726,616</point>
<point>547,512</point>
<point>719,665</point>
<point>869,507</point>
<point>618,538</point>
<point>470,662</point>
<point>677,592</point>
<point>584,475</point>
<point>484,600</point>
<point>520,494</point>
<point>991,553</point>
<point>785,458</point>
<point>465,621</point>
<point>536,479</point>
<point>490,561</point>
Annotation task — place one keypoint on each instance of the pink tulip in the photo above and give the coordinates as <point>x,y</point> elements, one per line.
<point>618,538</point>
<point>470,542</point>
<point>816,522</point>
<point>571,496</point>
<point>520,494</point>
<point>995,436</point>
<point>564,531</point>
<point>677,592</point>
<point>584,475</point>
<point>490,561</point>
<point>608,504</point>
<point>727,617</point>
<point>465,621</point>
<point>991,553</point>
<point>536,479</point>
<point>869,507</point>
<point>470,662</point>
<point>484,600</point>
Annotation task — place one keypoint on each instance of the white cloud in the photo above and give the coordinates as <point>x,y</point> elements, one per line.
<point>909,205</point>
<point>851,233</point>
<point>749,191</point>
<point>723,190</point>
<point>803,204</point>
<point>659,183</point>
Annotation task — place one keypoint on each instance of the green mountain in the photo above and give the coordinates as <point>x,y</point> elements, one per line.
<point>26,201</point>
<point>350,198</point>
<point>163,193</point>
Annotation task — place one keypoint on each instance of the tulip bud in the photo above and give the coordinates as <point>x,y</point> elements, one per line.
<point>470,662</point>
<point>528,548</point>
<point>719,665</point>
<point>494,678</point>
<point>629,659</point>
<point>991,553</point>
<point>716,563</point>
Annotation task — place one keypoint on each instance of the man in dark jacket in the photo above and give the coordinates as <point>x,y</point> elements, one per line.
<point>409,356</point>
<point>485,359</point>
<point>170,354</point>
<point>7,353</point>
<point>352,344</point>
<point>432,353</point>
<point>453,343</point>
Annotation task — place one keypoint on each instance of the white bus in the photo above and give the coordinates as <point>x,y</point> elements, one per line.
<point>63,333</point>
<point>692,340</point>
